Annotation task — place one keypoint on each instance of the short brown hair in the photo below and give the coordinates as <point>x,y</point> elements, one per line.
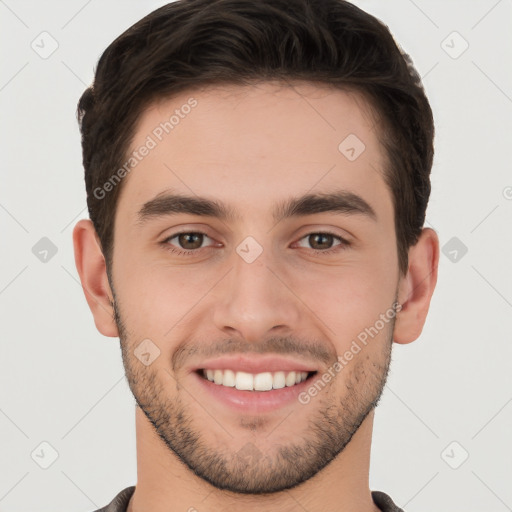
<point>193,43</point>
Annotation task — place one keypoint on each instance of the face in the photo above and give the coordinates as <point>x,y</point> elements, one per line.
<point>291,266</point>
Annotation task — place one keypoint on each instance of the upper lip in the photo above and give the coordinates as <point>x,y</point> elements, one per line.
<point>256,364</point>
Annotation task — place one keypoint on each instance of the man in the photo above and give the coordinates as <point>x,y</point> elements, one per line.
<point>257,177</point>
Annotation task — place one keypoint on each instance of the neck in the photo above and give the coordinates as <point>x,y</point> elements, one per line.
<point>164,483</point>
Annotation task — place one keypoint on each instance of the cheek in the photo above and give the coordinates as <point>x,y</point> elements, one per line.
<point>347,299</point>
<point>155,298</point>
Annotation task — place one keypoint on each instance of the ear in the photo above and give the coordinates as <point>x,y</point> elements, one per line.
<point>417,287</point>
<point>90,263</point>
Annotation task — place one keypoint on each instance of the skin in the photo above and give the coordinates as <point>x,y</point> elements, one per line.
<point>251,147</point>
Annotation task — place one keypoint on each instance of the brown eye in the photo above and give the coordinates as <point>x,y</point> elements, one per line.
<point>186,243</point>
<point>321,241</point>
<point>190,241</point>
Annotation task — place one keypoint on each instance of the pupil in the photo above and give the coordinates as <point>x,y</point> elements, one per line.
<point>319,235</point>
<point>186,238</point>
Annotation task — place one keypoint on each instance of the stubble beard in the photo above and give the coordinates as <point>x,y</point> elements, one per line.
<point>250,470</point>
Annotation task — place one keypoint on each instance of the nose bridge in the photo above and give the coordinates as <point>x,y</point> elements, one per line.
<point>253,299</point>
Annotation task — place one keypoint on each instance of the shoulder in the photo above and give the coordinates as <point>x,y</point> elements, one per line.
<point>384,502</point>
<point>120,502</point>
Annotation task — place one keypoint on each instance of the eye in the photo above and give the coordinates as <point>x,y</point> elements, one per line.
<point>322,242</point>
<point>189,242</point>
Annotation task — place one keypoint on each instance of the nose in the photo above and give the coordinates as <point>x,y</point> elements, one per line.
<point>254,301</point>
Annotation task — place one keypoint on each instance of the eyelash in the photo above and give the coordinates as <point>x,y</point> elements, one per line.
<point>183,252</point>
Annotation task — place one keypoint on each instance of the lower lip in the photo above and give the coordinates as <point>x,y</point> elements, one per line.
<point>253,401</point>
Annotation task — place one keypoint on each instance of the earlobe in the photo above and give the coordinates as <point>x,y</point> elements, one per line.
<point>417,287</point>
<point>91,267</point>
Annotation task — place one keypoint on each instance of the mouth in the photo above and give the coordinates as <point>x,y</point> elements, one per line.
<point>252,383</point>
<point>252,393</point>
<point>260,382</point>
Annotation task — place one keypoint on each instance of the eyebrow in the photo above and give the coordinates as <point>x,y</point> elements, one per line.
<point>342,201</point>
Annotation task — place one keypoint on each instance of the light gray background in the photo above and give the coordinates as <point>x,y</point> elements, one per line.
<point>63,383</point>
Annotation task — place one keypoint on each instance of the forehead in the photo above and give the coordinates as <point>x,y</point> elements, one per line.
<point>249,144</point>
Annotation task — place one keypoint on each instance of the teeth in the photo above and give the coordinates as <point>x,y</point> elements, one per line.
<point>290,379</point>
<point>263,381</point>
<point>279,380</point>
<point>255,382</point>
<point>218,377</point>
<point>244,381</point>
<point>228,378</point>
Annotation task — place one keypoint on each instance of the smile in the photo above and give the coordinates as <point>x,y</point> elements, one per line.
<point>264,381</point>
